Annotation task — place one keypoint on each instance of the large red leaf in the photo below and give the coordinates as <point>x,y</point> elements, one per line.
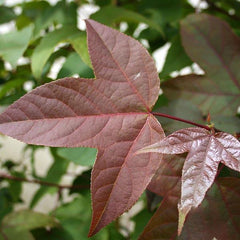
<point>210,42</point>
<point>206,150</point>
<point>111,113</point>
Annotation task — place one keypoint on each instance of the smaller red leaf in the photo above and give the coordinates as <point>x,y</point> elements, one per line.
<point>166,183</point>
<point>216,218</point>
<point>206,150</point>
<point>168,175</point>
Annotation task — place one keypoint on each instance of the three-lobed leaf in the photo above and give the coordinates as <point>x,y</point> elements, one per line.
<point>111,113</point>
<point>206,150</point>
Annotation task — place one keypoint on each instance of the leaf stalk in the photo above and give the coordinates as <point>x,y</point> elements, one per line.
<point>181,120</point>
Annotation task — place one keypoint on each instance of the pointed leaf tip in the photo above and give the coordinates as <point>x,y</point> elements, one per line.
<point>181,221</point>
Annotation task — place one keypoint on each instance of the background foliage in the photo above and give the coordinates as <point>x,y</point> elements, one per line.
<point>45,33</point>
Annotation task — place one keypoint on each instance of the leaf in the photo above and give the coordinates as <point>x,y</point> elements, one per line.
<point>166,183</point>
<point>75,218</point>
<point>218,215</point>
<point>62,13</point>
<point>80,156</point>
<point>12,234</point>
<point>6,202</point>
<point>6,14</point>
<point>18,224</point>
<point>111,113</point>
<point>53,234</point>
<point>11,85</point>
<point>28,220</point>
<point>206,150</point>
<point>111,14</point>
<point>75,65</point>
<point>13,45</point>
<point>46,47</point>
<point>211,43</point>
<point>83,180</point>
<point>230,124</point>
<point>79,43</point>
<point>167,176</point>
<point>166,11</point>
<point>163,224</point>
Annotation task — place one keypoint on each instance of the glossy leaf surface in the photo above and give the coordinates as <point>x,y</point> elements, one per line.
<point>111,113</point>
<point>206,151</point>
<point>211,43</point>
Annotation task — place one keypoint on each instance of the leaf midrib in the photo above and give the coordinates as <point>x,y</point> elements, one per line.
<point>83,116</point>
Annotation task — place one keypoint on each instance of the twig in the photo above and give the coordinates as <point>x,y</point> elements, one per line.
<point>44,183</point>
<point>218,9</point>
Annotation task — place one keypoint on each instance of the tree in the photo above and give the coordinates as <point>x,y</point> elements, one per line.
<point>120,112</point>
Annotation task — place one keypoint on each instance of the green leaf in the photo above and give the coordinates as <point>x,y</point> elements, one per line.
<point>15,187</point>
<point>83,180</point>
<point>11,85</point>
<point>33,9</point>
<point>47,45</point>
<point>75,218</point>
<point>61,13</point>
<point>176,58</point>
<point>17,225</point>
<point>110,14</point>
<point>22,21</point>
<point>6,14</point>
<point>6,202</point>
<point>13,44</point>
<point>80,156</point>
<point>164,11</point>
<point>52,234</point>
<point>13,234</point>
<point>75,65</point>
<point>54,175</point>
<point>28,220</point>
<point>79,43</point>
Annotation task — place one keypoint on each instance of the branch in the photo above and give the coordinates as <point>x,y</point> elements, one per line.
<point>218,9</point>
<point>44,183</point>
<point>181,120</point>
